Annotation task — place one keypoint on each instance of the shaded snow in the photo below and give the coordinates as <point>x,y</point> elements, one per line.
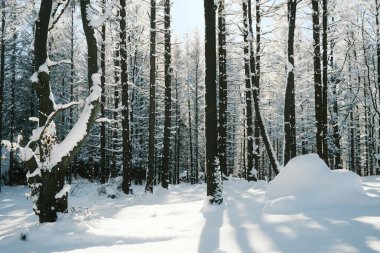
<point>180,220</point>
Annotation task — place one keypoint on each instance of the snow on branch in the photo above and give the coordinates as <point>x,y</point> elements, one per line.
<point>38,132</point>
<point>54,16</point>
<point>79,132</point>
<point>107,15</point>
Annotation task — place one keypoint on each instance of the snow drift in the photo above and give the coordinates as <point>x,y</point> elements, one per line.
<point>307,183</point>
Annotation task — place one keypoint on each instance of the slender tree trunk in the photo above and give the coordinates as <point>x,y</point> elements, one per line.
<point>12,114</point>
<point>378,66</point>
<point>335,118</point>
<point>325,155</point>
<point>317,77</point>
<point>248,91</point>
<point>72,66</point>
<point>168,98</point>
<point>196,116</point>
<point>191,161</point>
<point>152,98</point>
<point>176,136</point>
<point>290,108</point>
<point>2,72</point>
<point>127,155</point>
<point>103,101</point>
<point>222,140</point>
<point>214,188</point>
<point>256,100</point>
<point>260,173</point>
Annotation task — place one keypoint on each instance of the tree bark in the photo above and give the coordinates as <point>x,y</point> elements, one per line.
<point>152,99</point>
<point>290,107</point>
<point>222,140</point>
<point>168,98</point>
<point>256,134</point>
<point>127,154</point>
<point>248,90</point>
<point>12,113</point>
<point>212,164</point>
<point>2,73</point>
<point>325,155</point>
<point>317,78</point>
<point>45,178</point>
<point>103,101</point>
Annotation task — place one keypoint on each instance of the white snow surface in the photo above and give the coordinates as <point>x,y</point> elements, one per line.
<point>180,220</point>
<point>314,185</point>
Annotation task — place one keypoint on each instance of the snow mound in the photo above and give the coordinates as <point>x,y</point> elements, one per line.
<point>307,183</point>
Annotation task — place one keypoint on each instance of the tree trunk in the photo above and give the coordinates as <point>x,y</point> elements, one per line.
<point>256,134</point>
<point>127,154</point>
<point>152,98</point>
<point>325,155</point>
<point>168,98</point>
<point>214,187</point>
<point>176,137</point>
<point>191,161</point>
<point>103,101</point>
<point>378,65</point>
<point>317,78</point>
<point>45,177</point>
<point>335,117</point>
<point>290,107</point>
<point>196,116</point>
<point>222,140</point>
<point>248,91</point>
<point>2,72</point>
<point>12,113</point>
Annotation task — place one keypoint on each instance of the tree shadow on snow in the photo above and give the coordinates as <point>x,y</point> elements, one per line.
<point>210,236</point>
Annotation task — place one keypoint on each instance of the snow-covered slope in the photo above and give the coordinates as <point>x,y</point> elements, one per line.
<point>178,221</point>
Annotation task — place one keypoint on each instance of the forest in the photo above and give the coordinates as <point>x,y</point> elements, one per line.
<point>102,104</point>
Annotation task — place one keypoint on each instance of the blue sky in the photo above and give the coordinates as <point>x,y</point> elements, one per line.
<point>186,16</point>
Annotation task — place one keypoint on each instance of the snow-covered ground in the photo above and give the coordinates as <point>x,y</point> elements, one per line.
<point>178,220</point>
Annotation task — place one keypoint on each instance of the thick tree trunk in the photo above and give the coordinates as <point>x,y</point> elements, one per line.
<point>290,107</point>
<point>214,190</point>
<point>45,177</point>
<point>168,98</point>
<point>222,140</point>
<point>127,154</point>
<point>152,98</point>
